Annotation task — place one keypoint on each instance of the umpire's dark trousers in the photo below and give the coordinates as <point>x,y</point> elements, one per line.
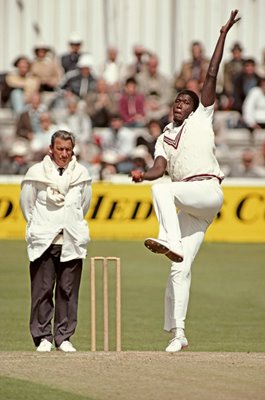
<point>46,273</point>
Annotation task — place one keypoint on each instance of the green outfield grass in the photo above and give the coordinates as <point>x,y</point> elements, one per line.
<point>226,310</point>
<point>17,389</point>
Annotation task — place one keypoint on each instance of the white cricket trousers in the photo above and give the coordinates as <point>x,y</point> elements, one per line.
<point>198,202</point>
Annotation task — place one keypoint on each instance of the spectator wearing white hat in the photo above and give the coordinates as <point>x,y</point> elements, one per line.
<point>46,67</point>
<point>141,158</point>
<point>17,161</point>
<point>69,60</point>
<point>108,165</point>
<point>80,81</point>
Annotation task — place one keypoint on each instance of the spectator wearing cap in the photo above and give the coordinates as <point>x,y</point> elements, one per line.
<point>232,68</point>
<point>17,161</point>
<point>46,67</point>
<point>138,64</point>
<point>80,81</point>
<point>141,158</point>
<point>108,165</point>
<point>20,84</point>
<point>69,60</point>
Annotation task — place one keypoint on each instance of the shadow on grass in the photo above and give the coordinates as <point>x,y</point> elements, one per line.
<point>17,389</point>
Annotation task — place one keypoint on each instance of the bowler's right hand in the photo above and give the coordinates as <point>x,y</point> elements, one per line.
<point>137,175</point>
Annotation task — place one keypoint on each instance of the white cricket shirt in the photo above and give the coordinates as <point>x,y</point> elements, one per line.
<point>190,148</point>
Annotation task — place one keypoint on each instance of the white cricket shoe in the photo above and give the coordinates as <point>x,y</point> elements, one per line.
<point>44,346</point>
<point>177,344</point>
<point>162,247</point>
<point>67,347</point>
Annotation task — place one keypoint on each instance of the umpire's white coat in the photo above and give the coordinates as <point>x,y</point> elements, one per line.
<point>51,203</point>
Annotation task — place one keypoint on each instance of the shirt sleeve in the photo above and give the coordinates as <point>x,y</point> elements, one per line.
<point>205,112</point>
<point>28,197</point>
<point>159,148</point>
<point>248,108</point>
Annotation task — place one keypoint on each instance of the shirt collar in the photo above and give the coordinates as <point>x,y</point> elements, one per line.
<point>172,125</point>
<point>57,166</point>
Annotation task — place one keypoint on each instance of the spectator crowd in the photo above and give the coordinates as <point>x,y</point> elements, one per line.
<point>117,110</point>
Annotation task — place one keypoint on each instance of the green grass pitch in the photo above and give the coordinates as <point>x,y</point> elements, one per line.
<point>226,311</point>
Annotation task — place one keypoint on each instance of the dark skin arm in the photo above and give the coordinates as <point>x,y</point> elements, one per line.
<point>207,98</point>
<point>209,85</point>
<point>156,171</point>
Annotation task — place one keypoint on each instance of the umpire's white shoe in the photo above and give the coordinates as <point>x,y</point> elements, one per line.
<point>177,344</point>
<point>67,347</point>
<point>162,247</point>
<point>44,346</point>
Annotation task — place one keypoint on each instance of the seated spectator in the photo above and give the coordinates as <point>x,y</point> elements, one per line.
<point>248,167</point>
<point>141,158</point>
<point>149,136</point>
<point>132,105</point>
<point>245,81</point>
<point>118,139</point>
<point>46,67</point>
<point>80,81</point>
<point>156,107</point>
<point>112,70</point>
<point>78,122</point>
<point>42,139</point>
<point>108,165</point>
<point>194,85</point>
<point>20,84</point>
<point>253,109</point>
<point>28,123</point>
<point>17,162</point>
<point>100,104</point>
<point>195,68</point>
<point>138,64</point>
<point>156,88</point>
<point>191,84</point>
<point>232,68</point>
<point>70,59</point>
<point>89,156</point>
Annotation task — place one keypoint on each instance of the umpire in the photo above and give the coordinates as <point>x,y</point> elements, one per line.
<point>55,198</point>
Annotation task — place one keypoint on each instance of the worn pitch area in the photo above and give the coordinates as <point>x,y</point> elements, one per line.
<point>142,375</point>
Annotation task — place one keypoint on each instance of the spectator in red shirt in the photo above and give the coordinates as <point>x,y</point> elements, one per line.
<point>132,105</point>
